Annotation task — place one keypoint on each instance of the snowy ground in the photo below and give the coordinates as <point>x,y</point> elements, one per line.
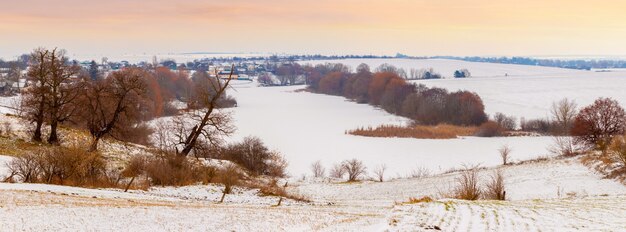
<point>587,203</point>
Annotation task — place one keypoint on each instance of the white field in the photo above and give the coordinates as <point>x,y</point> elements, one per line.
<point>306,127</point>
<point>527,91</point>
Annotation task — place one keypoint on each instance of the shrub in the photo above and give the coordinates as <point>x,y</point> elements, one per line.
<point>254,156</point>
<point>317,169</point>
<point>505,152</point>
<point>566,146</point>
<point>537,125</point>
<point>467,185</point>
<point>229,177</point>
<point>618,148</point>
<point>506,122</point>
<point>136,166</point>
<point>337,171</point>
<point>489,129</point>
<point>379,172</point>
<point>64,166</point>
<point>169,169</point>
<point>354,168</point>
<point>495,188</point>
<point>420,172</point>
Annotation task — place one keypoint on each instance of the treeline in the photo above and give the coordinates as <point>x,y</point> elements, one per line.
<point>394,94</point>
<point>113,105</point>
<point>571,64</point>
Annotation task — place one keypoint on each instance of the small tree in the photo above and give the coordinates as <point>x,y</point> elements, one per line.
<point>379,172</point>
<point>505,152</point>
<point>563,114</point>
<point>229,177</point>
<point>598,123</point>
<point>337,171</point>
<point>135,167</point>
<point>317,169</point>
<point>354,168</point>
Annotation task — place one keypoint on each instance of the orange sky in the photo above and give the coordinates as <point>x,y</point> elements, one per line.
<point>415,27</point>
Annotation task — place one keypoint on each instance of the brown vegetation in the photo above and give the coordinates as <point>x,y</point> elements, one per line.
<point>598,123</point>
<point>441,131</point>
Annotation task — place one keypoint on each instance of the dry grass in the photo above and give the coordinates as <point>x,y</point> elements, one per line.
<point>442,131</point>
<point>414,200</point>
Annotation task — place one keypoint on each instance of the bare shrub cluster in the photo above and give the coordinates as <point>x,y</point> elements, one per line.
<point>65,166</point>
<point>468,186</point>
<point>253,155</point>
<point>490,129</point>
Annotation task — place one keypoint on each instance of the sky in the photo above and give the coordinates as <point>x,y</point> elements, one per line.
<point>413,27</point>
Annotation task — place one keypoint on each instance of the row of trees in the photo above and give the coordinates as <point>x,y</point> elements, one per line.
<point>391,92</point>
<point>60,92</point>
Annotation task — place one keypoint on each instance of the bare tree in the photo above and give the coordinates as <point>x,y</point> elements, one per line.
<point>62,92</point>
<point>566,146</point>
<point>317,169</point>
<point>337,171</point>
<point>563,114</point>
<point>218,123</point>
<point>112,102</point>
<point>505,153</point>
<point>34,98</point>
<point>380,172</point>
<point>354,168</point>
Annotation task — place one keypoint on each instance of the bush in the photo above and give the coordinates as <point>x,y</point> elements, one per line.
<point>505,152</point>
<point>317,169</point>
<point>354,168</point>
<point>490,129</point>
<point>254,156</point>
<point>170,170</point>
<point>506,122</point>
<point>467,185</point>
<point>566,146</point>
<point>618,148</point>
<point>495,188</point>
<point>64,166</point>
<point>537,125</point>
<point>229,177</point>
<point>337,171</point>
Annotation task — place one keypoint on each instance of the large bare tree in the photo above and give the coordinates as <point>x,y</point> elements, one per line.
<point>62,90</point>
<point>112,102</point>
<point>209,123</point>
<point>34,98</point>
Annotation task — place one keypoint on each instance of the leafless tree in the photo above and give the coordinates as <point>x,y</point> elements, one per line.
<point>337,171</point>
<point>379,172</point>
<point>209,123</point>
<point>505,153</point>
<point>563,114</point>
<point>62,92</point>
<point>354,168</point>
<point>112,102</point>
<point>34,98</point>
<point>317,169</point>
<point>566,146</point>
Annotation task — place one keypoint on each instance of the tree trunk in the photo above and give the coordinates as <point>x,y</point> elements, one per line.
<point>53,139</point>
<point>37,132</point>
<point>223,195</point>
<point>94,144</point>
<point>129,183</point>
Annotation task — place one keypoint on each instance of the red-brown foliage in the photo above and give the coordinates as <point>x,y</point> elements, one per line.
<point>598,123</point>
